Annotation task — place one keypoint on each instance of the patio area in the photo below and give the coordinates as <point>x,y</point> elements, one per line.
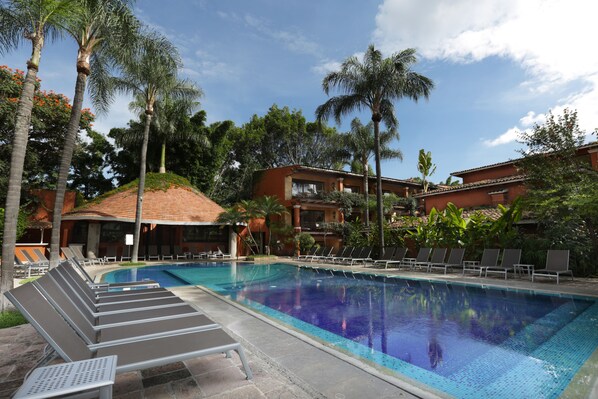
<point>285,363</point>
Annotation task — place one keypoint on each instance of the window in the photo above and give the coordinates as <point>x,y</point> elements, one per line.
<point>351,189</point>
<point>310,189</point>
<point>205,234</point>
<point>78,234</point>
<point>312,220</point>
<point>115,231</point>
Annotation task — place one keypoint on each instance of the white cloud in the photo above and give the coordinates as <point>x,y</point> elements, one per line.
<point>326,66</point>
<point>532,118</point>
<point>507,137</point>
<point>548,38</point>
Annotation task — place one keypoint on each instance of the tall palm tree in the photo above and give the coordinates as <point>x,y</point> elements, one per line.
<point>92,24</point>
<point>171,122</point>
<point>360,141</point>
<point>150,74</point>
<point>33,21</point>
<point>268,206</point>
<point>374,84</point>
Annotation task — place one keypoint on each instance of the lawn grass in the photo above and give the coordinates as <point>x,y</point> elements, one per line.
<point>11,318</point>
<point>132,264</point>
<point>29,279</point>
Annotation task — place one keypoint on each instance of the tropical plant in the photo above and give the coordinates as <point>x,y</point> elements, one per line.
<point>150,74</point>
<point>268,206</point>
<point>561,188</point>
<point>425,167</point>
<point>374,83</point>
<point>361,142</point>
<point>105,32</point>
<point>240,216</point>
<point>304,241</point>
<point>33,21</point>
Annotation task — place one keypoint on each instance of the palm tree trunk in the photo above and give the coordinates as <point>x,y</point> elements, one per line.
<point>65,165</point>
<point>366,193</point>
<point>13,195</point>
<point>378,183</point>
<point>163,158</point>
<point>141,188</point>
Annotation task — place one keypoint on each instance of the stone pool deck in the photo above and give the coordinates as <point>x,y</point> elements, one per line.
<point>285,363</point>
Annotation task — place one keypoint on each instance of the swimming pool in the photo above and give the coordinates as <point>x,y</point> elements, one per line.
<point>467,341</point>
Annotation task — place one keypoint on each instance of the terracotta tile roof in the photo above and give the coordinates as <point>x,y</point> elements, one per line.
<point>177,205</point>
<point>472,185</point>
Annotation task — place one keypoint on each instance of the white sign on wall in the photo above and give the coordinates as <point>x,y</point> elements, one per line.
<point>129,239</point>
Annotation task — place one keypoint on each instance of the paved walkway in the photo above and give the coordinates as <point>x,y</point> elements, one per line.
<point>283,365</point>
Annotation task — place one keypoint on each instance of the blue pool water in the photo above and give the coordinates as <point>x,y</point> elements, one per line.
<point>467,341</point>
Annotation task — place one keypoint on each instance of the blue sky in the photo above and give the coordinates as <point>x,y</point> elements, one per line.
<point>499,65</point>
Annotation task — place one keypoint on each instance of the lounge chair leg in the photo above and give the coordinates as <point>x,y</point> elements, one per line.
<point>241,354</point>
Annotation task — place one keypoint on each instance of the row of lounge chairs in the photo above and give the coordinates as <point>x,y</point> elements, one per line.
<point>34,263</point>
<point>428,259</point>
<point>145,327</point>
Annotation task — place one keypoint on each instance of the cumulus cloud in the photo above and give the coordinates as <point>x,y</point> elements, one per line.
<point>548,38</point>
<point>326,66</point>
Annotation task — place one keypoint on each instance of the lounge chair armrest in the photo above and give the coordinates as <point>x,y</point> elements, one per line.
<point>409,260</point>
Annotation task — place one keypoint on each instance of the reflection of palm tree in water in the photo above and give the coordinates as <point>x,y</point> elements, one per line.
<point>434,353</point>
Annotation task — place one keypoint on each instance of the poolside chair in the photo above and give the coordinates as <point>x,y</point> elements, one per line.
<point>110,253</point>
<point>21,269</point>
<point>363,256</point>
<point>510,257</point>
<point>557,263</point>
<point>126,257</point>
<point>110,305</point>
<point>165,251</point>
<point>34,259</point>
<point>455,260</point>
<point>152,252</point>
<point>348,255</point>
<point>318,252</point>
<point>325,254</point>
<point>178,252</point>
<point>32,265</point>
<point>76,271</point>
<point>438,255</point>
<point>70,255</point>
<point>422,256</point>
<point>489,259</point>
<point>76,250</point>
<point>221,254</point>
<point>41,256</point>
<point>385,255</point>
<point>311,251</point>
<point>136,355</point>
<point>93,334</point>
<point>344,251</point>
<point>397,257</point>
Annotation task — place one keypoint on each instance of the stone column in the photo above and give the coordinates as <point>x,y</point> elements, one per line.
<point>297,218</point>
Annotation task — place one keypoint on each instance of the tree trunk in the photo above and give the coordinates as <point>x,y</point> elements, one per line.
<point>366,193</point>
<point>163,158</point>
<point>141,188</point>
<point>13,195</point>
<point>65,166</point>
<point>378,183</point>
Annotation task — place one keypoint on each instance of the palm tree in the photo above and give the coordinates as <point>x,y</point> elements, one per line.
<point>240,215</point>
<point>425,167</point>
<point>374,84</point>
<point>361,143</point>
<point>267,207</point>
<point>33,21</point>
<point>150,74</point>
<point>93,23</point>
<point>171,122</point>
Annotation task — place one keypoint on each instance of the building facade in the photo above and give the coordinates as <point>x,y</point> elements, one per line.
<point>302,189</point>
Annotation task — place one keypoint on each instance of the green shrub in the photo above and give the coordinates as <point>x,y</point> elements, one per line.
<point>11,319</point>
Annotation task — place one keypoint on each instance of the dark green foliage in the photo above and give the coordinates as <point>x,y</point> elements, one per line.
<point>89,164</point>
<point>11,318</point>
<point>346,202</point>
<point>305,240</point>
<point>21,224</point>
<point>562,189</point>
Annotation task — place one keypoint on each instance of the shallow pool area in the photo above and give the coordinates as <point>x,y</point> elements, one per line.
<point>465,340</point>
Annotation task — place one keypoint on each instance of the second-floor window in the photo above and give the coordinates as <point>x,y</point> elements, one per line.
<point>312,220</point>
<point>351,189</point>
<point>304,188</point>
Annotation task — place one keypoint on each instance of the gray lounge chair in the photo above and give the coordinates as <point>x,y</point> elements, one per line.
<point>344,251</point>
<point>455,260</point>
<point>221,254</point>
<point>489,259</point>
<point>133,287</point>
<point>348,255</point>
<point>397,257</point>
<point>137,355</point>
<point>110,253</point>
<point>76,250</point>
<point>385,255</point>
<point>325,254</point>
<point>422,256</point>
<point>41,256</point>
<point>310,251</point>
<point>98,335</point>
<point>22,269</point>
<point>178,252</point>
<point>363,256</point>
<point>32,258</point>
<point>152,252</point>
<point>165,251</point>
<point>438,256</point>
<point>510,257</point>
<point>557,263</point>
